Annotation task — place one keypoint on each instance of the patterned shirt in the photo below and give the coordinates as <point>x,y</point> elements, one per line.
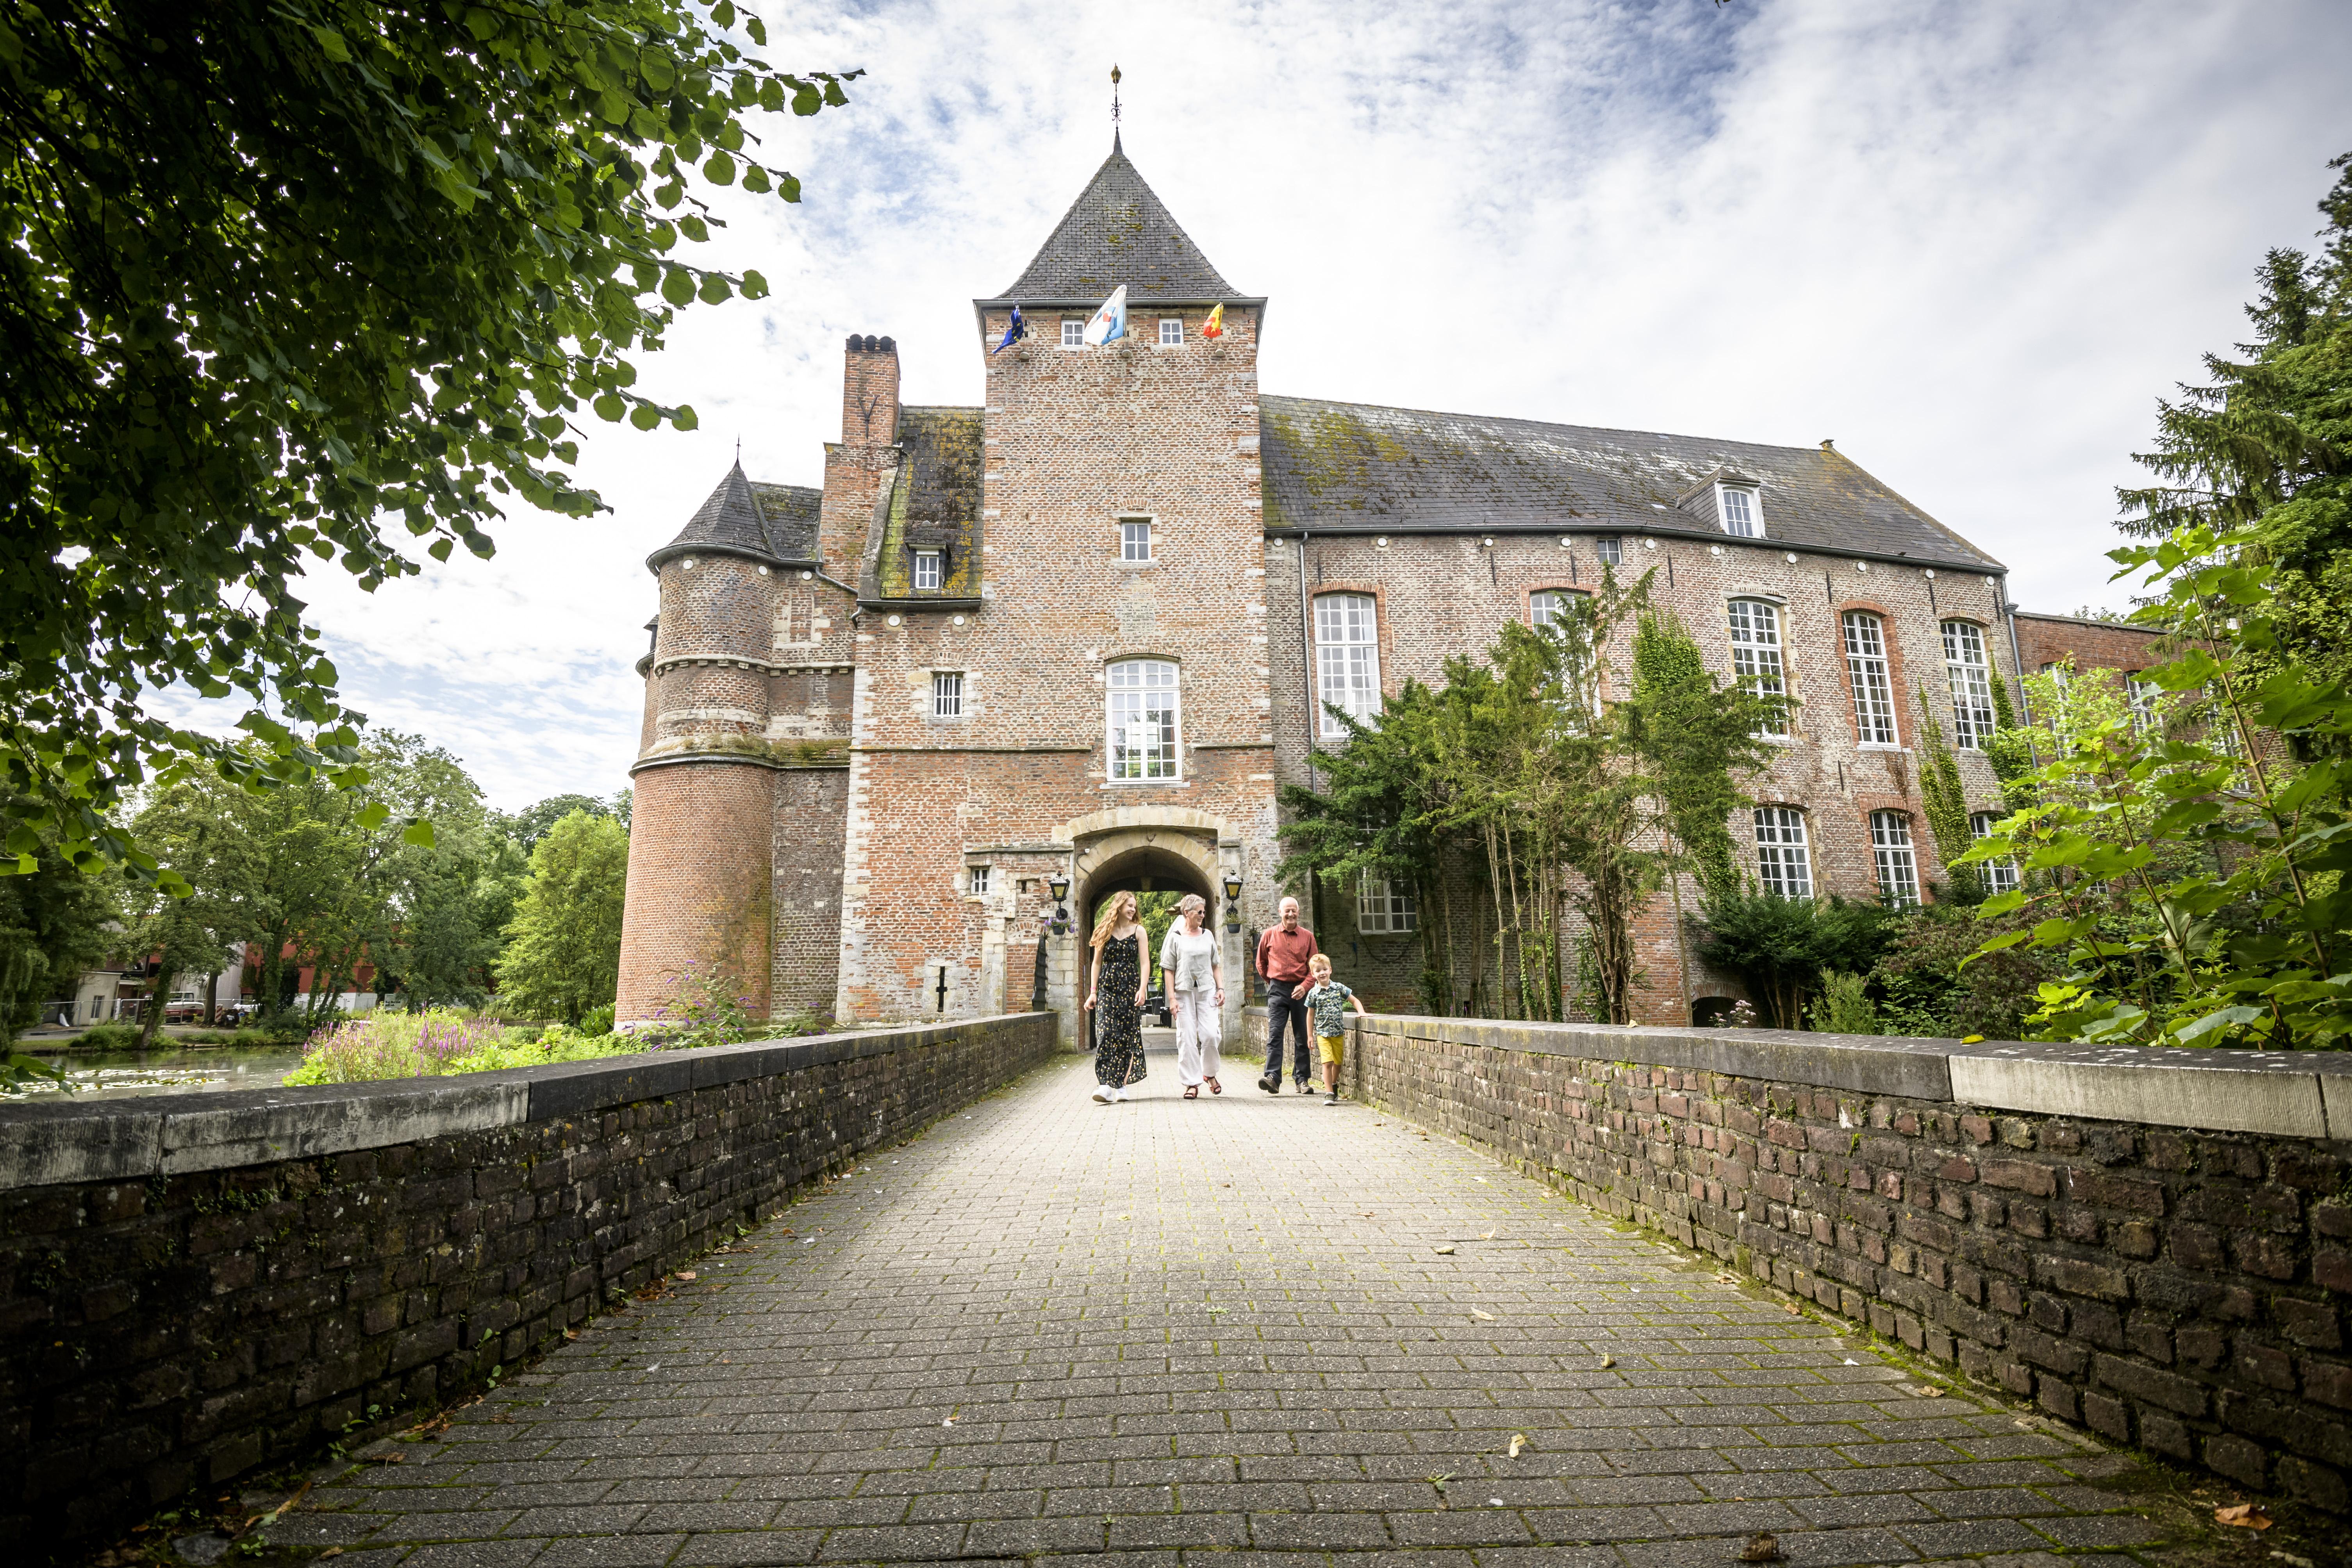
<point>1329,1001</point>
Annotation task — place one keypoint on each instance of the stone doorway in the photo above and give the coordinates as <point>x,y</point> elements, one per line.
<point>1166,849</point>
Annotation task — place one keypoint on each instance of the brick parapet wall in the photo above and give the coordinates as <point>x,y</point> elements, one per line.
<point>2156,1245</point>
<point>194,1286</point>
<point>2093,645</point>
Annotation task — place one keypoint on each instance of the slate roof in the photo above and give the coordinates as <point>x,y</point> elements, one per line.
<point>931,503</point>
<point>765,523</point>
<point>1355,466</point>
<point>791,512</point>
<point>1118,231</point>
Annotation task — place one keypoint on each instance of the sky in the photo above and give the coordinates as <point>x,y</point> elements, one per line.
<point>1973,243</point>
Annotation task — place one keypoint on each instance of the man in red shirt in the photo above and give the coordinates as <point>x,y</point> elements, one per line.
<point>1282,955</point>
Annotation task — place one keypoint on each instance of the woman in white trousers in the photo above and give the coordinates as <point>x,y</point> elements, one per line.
<point>1196,996</point>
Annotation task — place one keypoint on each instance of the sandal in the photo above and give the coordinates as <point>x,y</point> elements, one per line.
<point>1216,1088</point>
<point>1192,1092</point>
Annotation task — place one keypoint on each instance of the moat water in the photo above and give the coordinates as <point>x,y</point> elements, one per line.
<point>186,1069</point>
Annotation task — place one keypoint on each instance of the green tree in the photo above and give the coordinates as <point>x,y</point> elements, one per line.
<point>277,274</point>
<point>564,953</point>
<point>2261,455</point>
<point>1783,948</point>
<point>1518,774</point>
<point>53,923</point>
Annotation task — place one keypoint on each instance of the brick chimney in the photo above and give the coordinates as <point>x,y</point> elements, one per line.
<point>869,392</point>
<point>855,464</point>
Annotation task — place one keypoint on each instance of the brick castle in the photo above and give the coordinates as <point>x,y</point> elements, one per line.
<point>1083,631</point>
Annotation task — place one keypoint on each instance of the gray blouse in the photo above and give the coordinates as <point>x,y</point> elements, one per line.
<point>1189,961</point>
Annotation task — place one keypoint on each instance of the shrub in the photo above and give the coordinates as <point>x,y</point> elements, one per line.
<point>109,1037</point>
<point>597,1020</point>
<point>1782,947</point>
<point>1927,991</point>
<point>438,1044</point>
<point>1845,1007</point>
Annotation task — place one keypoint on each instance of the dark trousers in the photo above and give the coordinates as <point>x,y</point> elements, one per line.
<point>1280,1004</point>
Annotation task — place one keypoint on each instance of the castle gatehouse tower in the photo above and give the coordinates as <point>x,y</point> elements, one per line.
<point>1003,647</point>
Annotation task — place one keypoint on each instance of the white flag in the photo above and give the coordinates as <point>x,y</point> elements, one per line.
<point>1110,321</point>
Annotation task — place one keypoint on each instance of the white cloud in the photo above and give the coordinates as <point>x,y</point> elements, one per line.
<point>1972,242</point>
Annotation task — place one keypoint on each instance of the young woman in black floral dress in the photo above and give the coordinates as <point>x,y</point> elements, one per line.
<point>1121,972</point>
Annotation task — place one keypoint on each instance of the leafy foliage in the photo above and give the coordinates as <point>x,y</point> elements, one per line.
<point>565,956</point>
<point>1567,807</point>
<point>1845,1007</point>
<point>277,273</point>
<point>2190,863</point>
<point>53,924</point>
<point>1783,948</point>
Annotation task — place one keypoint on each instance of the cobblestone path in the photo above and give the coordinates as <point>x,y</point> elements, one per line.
<point>1222,1331</point>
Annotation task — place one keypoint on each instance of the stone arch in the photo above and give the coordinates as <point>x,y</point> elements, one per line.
<point>1129,847</point>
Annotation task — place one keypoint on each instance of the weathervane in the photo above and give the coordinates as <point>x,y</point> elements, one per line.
<point>1114,106</point>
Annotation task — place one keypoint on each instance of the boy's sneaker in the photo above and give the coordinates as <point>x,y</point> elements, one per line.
<point>1104,1093</point>
<point>1331,1100</point>
<point>1270,1083</point>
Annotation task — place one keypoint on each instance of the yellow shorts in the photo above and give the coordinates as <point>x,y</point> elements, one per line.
<point>1334,1046</point>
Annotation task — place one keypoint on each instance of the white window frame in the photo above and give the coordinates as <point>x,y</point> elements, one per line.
<point>1609,549</point>
<point>931,570</point>
<point>946,694</point>
<point>1784,852</point>
<point>1132,532</point>
<point>1749,522</point>
<point>1347,661</point>
<point>1869,673</point>
<point>1133,690</point>
<point>2142,697</point>
<point>1074,333</point>
<point>1897,860</point>
<point>1545,604</point>
<point>2000,876</point>
<point>1968,665</point>
<point>1172,331</point>
<point>1755,655</point>
<point>1382,911</point>
<point>976,880</point>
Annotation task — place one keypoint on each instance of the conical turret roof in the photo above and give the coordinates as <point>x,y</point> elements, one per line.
<point>1118,231</point>
<point>729,524</point>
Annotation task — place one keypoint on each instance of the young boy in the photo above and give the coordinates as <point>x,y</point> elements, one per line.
<point>1327,1001</point>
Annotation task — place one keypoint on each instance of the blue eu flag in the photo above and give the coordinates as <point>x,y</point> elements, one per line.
<point>1012,333</point>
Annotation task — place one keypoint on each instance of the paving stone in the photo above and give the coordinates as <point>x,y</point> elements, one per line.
<point>1002,1348</point>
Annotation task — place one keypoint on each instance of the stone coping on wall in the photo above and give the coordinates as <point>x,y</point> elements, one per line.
<point>47,1143</point>
<point>2305,1094</point>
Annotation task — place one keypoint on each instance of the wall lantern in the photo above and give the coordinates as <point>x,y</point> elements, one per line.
<point>1233,901</point>
<point>1060,884</point>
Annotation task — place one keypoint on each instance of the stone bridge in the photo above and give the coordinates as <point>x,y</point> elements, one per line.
<point>1530,1297</point>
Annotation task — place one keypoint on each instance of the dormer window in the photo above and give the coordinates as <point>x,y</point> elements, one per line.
<point>927,571</point>
<point>1172,331</point>
<point>1741,510</point>
<point>1074,333</point>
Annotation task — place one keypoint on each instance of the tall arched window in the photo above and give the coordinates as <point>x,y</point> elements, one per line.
<point>1544,607</point>
<point>1756,654</point>
<point>1971,677</point>
<point>1866,668</point>
<point>1783,863</point>
<point>1346,659</point>
<point>1143,714</point>
<point>1898,868</point>
<point>2001,876</point>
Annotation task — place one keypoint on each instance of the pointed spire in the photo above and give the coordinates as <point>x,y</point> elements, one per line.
<point>1118,231</point>
<point>1116,150</point>
<point>730,523</point>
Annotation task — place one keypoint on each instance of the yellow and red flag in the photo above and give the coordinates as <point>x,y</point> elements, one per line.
<point>1215,326</point>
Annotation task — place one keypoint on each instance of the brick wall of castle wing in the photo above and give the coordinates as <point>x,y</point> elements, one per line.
<point>1438,597</point>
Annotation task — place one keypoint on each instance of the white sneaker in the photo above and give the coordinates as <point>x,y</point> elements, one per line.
<point>1105,1094</point>
<point>1118,1097</point>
